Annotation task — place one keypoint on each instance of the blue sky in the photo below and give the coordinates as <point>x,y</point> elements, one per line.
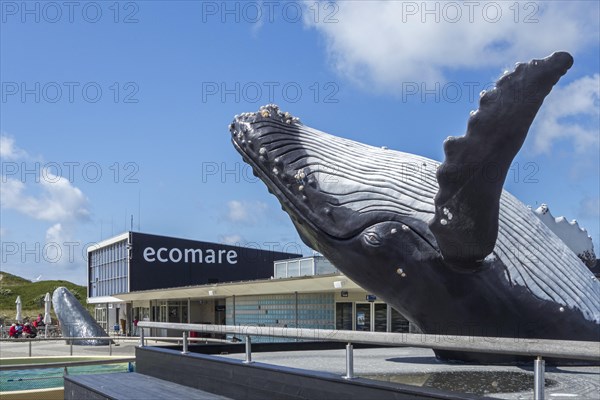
<point>112,109</point>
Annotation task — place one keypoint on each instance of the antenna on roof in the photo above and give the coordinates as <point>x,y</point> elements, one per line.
<point>132,222</point>
<point>139,207</point>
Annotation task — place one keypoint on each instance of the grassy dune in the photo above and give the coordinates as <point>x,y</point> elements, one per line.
<point>32,295</point>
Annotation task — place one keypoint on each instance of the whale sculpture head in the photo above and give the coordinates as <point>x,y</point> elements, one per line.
<point>332,188</point>
<point>341,195</point>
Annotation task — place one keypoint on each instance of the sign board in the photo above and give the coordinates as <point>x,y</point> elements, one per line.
<point>360,318</point>
<point>160,262</point>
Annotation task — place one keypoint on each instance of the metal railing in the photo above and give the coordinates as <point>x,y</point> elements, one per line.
<point>536,348</point>
<point>67,364</point>
<point>112,341</point>
<point>31,341</point>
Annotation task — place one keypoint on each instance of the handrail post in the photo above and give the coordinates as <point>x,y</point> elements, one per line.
<point>349,362</point>
<point>71,347</point>
<point>110,347</point>
<point>185,343</point>
<point>248,359</point>
<point>30,348</point>
<point>142,337</point>
<point>538,378</point>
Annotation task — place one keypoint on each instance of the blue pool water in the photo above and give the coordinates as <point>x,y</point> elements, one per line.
<point>52,377</point>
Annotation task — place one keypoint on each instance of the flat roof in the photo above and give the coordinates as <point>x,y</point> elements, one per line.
<point>109,241</point>
<point>303,284</point>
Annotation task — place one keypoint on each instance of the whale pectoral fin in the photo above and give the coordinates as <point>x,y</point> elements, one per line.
<point>471,178</point>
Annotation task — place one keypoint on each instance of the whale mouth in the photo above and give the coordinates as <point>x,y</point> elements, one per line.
<point>334,185</point>
<point>249,136</point>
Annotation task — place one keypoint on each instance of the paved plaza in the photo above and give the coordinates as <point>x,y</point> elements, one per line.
<point>404,365</point>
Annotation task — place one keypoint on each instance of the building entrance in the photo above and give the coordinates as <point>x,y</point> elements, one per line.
<point>369,316</point>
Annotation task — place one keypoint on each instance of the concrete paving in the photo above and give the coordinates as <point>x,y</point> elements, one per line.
<point>404,365</point>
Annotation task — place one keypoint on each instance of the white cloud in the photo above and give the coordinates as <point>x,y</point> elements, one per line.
<point>590,207</point>
<point>245,211</point>
<point>55,234</point>
<point>380,44</point>
<point>570,113</point>
<point>236,211</point>
<point>9,150</point>
<point>44,197</point>
<point>234,239</point>
<point>59,199</point>
<point>59,247</point>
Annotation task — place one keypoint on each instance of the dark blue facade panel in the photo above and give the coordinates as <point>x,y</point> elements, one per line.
<point>159,262</point>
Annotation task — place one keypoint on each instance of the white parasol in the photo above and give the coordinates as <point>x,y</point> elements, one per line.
<point>47,318</point>
<point>18,302</point>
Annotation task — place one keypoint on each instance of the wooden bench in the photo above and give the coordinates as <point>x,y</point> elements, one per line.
<point>129,386</point>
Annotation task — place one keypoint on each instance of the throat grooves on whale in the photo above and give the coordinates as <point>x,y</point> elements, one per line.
<point>379,180</point>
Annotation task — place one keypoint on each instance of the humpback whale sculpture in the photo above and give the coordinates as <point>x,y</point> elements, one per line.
<point>443,244</point>
<point>76,321</point>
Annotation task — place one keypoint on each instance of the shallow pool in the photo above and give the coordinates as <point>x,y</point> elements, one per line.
<point>472,382</point>
<point>29,379</point>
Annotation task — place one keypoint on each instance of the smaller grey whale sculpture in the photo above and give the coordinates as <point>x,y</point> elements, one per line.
<point>76,321</point>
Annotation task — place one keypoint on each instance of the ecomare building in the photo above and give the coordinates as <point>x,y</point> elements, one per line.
<point>139,276</point>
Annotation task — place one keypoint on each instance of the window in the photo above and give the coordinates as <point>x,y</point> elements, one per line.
<point>343,316</point>
<point>281,270</point>
<point>108,267</point>
<point>100,315</point>
<point>293,268</point>
<point>306,267</point>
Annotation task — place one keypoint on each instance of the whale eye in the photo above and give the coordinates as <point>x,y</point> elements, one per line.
<point>372,238</point>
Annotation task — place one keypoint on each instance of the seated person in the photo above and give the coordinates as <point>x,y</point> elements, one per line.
<point>12,332</point>
<point>29,331</point>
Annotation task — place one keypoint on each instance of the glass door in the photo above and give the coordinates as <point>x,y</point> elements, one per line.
<point>101,318</point>
<point>380,317</point>
<point>399,323</point>
<point>363,316</point>
<point>343,316</point>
